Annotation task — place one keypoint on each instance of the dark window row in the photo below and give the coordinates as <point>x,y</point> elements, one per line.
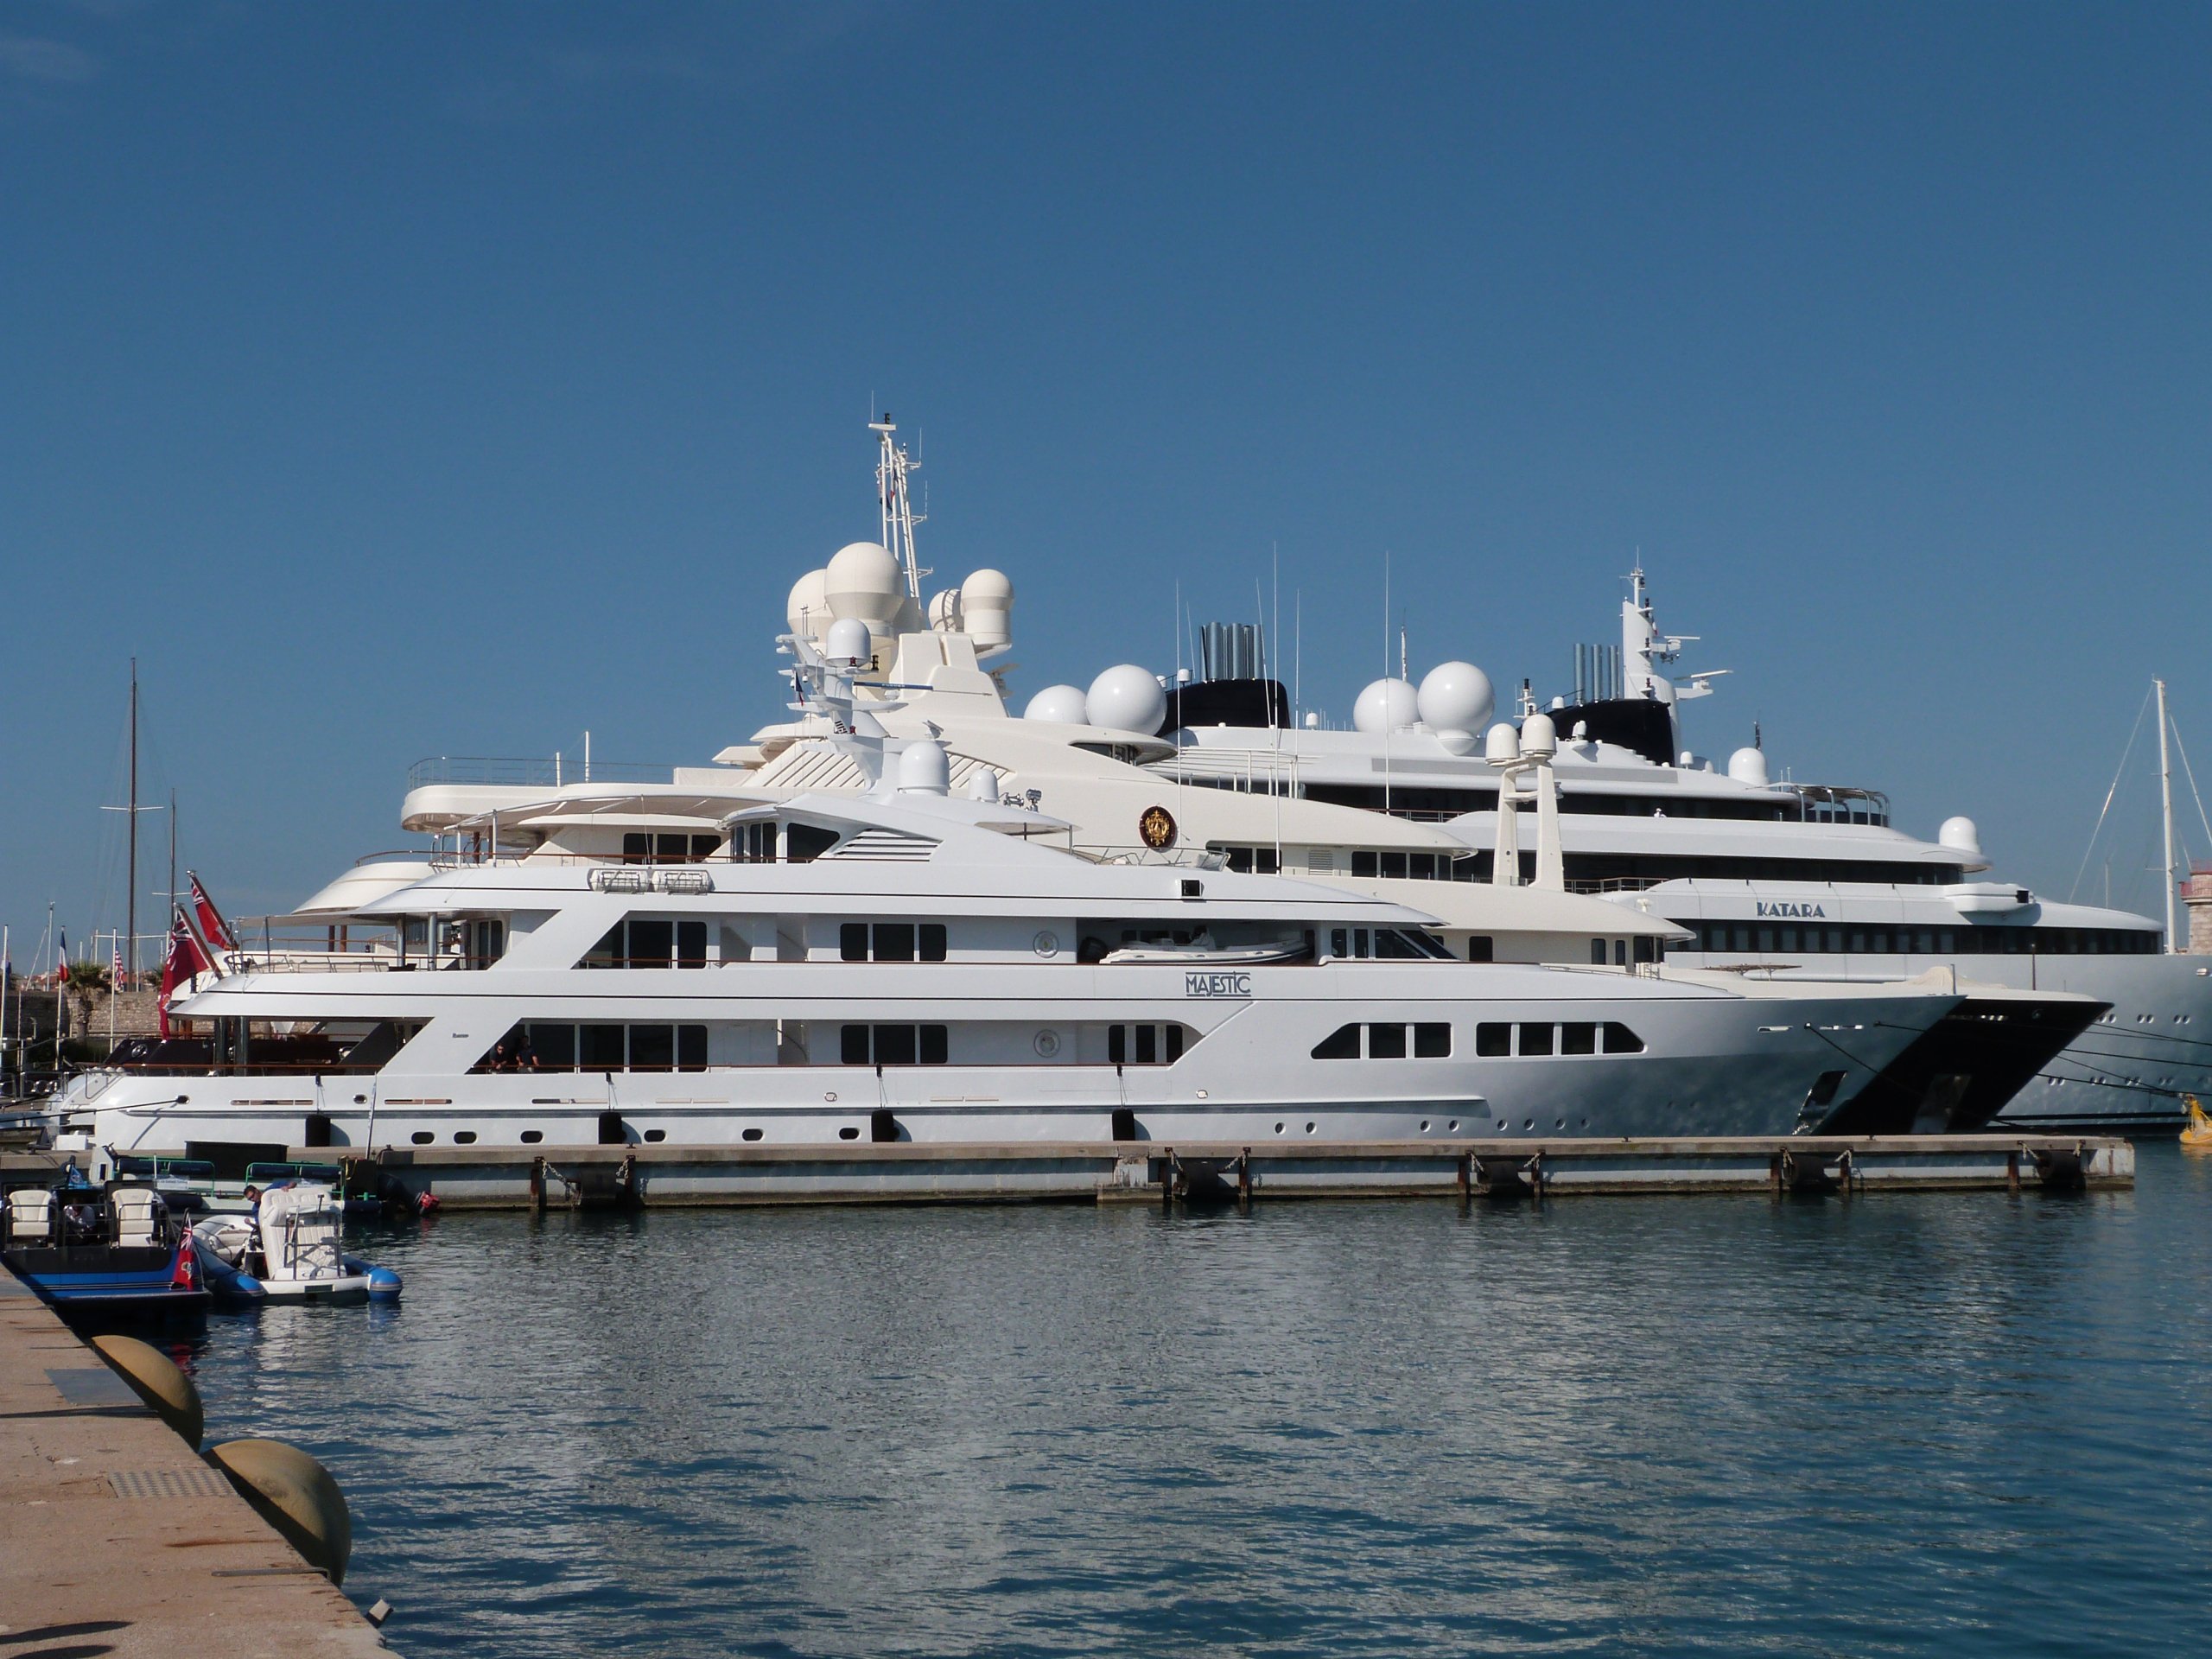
<point>891,1045</point>
<point>1387,944</point>
<point>645,941</point>
<point>1249,861</point>
<point>1413,867</point>
<point>1494,1040</point>
<point>1623,951</point>
<point>1144,1044</point>
<point>1430,804</point>
<point>639,848</point>
<point>538,1046</point>
<point>1859,940</point>
<point>1598,870</point>
<point>753,843</point>
<point>1385,1042</point>
<point>891,942</point>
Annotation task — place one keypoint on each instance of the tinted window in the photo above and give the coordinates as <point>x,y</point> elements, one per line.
<point>691,944</point>
<point>1341,1044</point>
<point>1174,1044</point>
<point>934,1045</point>
<point>932,941</point>
<point>1385,1042</point>
<point>852,942</point>
<point>803,842</point>
<point>1493,1041</point>
<point>894,941</point>
<point>1480,947</point>
<point>894,1045</point>
<point>852,1045</point>
<point>1117,1044</point>
<point>653,1048</point>
<point>553,1046</point>
<point>1432,1042</point>
<point>1535,1040</point>
<point>1619,1040</point>
<point>607,953</point>
<point>1578,1038</point>
<point>651,943</point>
<point>1147,1044</point>
<point>691,1048</point>
<point>599,1047</point>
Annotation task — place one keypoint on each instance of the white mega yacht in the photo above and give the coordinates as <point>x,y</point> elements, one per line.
<point>1768,878</point>
<point>915,960</point>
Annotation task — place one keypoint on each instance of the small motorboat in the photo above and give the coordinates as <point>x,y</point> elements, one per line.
<point>2196,1134</point>
<point>95,1254</point>
<point>291,1248</point>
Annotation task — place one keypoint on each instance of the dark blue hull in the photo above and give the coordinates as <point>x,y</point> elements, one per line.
<point>122,1280</point>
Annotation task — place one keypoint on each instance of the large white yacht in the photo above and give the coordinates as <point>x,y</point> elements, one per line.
<point>917,960</point>
<point>1769,878</point>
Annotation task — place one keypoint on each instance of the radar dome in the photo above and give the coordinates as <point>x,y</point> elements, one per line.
<point>847,641</point>
<point>863,582</point>
<point>808,608</point>
<point>1960,835</point>
<point>1063,704</point>
<point>1455,697</point>
<point>945,611</point>
<point>1748,766</point>
<point>986,610</point>
<point>1539,737</point>
<point>1127,698</point>
<point>1503,747</point>
<point>1387,706</point>
<point>925,769</point>
<point>984,784</point>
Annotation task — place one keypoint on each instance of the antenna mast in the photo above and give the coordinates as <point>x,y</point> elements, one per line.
<point>2166,812</point>
<point>893,465</point>
<point>130,906</point>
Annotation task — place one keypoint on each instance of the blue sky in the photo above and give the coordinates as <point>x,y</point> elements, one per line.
<point>402,380</point>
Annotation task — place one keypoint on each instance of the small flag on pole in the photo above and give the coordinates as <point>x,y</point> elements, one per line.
<point>115,968</point>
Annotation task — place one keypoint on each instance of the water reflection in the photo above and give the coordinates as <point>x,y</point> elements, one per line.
<point>1938,1424</point>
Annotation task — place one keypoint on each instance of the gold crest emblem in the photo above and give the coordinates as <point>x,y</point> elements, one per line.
<point>1157,827</point>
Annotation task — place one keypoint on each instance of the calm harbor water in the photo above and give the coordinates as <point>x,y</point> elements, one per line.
<point>1913,1425</point>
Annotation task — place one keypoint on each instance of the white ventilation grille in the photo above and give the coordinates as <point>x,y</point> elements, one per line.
<point>814,765</point>
<point>886,845</point>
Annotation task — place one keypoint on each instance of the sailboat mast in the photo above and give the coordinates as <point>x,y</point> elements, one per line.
<point>130,906</point>
<point>2166,814</point>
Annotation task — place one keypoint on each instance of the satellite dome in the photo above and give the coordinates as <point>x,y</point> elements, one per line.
<point>1063,704</point>
<point>1539,737</point>
<point>984,784</point>
<point>986,607</point>
<point>925,769</point>
<point>1126,698</point>
<point>808,608</point>
<point>863,582</point>
<point>1387,706</point>
<point>1748,766</point>
<point>847,641</point>
<point>945,611</point>
<point>1960,835</point>
<point>1455,697</point>
<point>1503,747</point>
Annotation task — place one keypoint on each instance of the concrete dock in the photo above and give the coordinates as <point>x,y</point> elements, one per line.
<point>114,1538</point>
<point>643,1176</point>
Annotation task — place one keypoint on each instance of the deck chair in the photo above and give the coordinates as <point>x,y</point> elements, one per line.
<point>138,1213</point>
<point>31,1218</point>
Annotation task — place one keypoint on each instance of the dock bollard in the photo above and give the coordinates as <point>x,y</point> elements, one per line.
<point>296,1494</point>
<point>153,1376</point>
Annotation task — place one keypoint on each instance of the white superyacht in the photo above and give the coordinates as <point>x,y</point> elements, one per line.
<point>917,961</point>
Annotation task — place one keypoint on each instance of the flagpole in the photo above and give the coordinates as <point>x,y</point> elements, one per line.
<point>6,974</point>
<point>130,907</point>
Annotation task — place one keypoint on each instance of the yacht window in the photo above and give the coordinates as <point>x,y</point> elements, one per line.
<point>932,941</point>
<point>1644,948</point>
<point>1147,1046</point>
<point>690,1048</point>
<point>1493,1041</point>
<point>637,848</point>
<point>599,1048</point>
<point>891,942</point>
<point>1597,953</point>
<point>1835,940</point>
<point>1392,946</point>
<point>1117,1044</point>
<point>852,1045</point>
<point>704,847</point>
<point>1174,1044</point>
<point>552,1047</point>
<point>1620,946</point>
<point>1578,1037</point>
<point>1481,947</point>
<point>1341,1044</point>
<point>607,953</point>
<point>1743,938</point>
<point>1385,1042</point>
<point>1789,940</point>
<point>1535,1040</point>
<point>804,842</point>
<point>653,1048</point>
<point>893,1045</point>
<point>653,943</point>
<point>1766,942</point>
<point>753,843</point>
<point>691,944</point>
<point>1340,942</point>
<point>894,941</point>
<point>1619,1040</point>
<point>1394,864</point>
<point>1433,1041</point>
<point>852,942</point>
<point>1363,863</point>
<point>1421,865</point>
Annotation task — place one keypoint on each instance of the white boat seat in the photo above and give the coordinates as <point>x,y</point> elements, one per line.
<point>137,1217</point>
<point>31,1218</point>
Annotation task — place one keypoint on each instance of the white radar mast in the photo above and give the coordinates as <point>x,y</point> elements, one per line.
<point>1643,648</point>
<point>892,467</point>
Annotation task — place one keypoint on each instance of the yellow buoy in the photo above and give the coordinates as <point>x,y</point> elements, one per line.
<point>296,1494</point>
<point>2196,1135</point>
<point>154,1376</point>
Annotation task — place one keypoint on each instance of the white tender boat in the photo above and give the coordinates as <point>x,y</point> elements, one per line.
<point>290,1249</point>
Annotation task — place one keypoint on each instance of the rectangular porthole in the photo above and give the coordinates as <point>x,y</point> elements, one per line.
<point>1432,1042</point>
<point>1493,1041</point>
<point>1385,1042</point>
<point>1535,1040</point>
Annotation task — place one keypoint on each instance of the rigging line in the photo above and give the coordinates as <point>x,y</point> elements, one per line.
<point>2133,732</point>
<point>2189,772</point>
